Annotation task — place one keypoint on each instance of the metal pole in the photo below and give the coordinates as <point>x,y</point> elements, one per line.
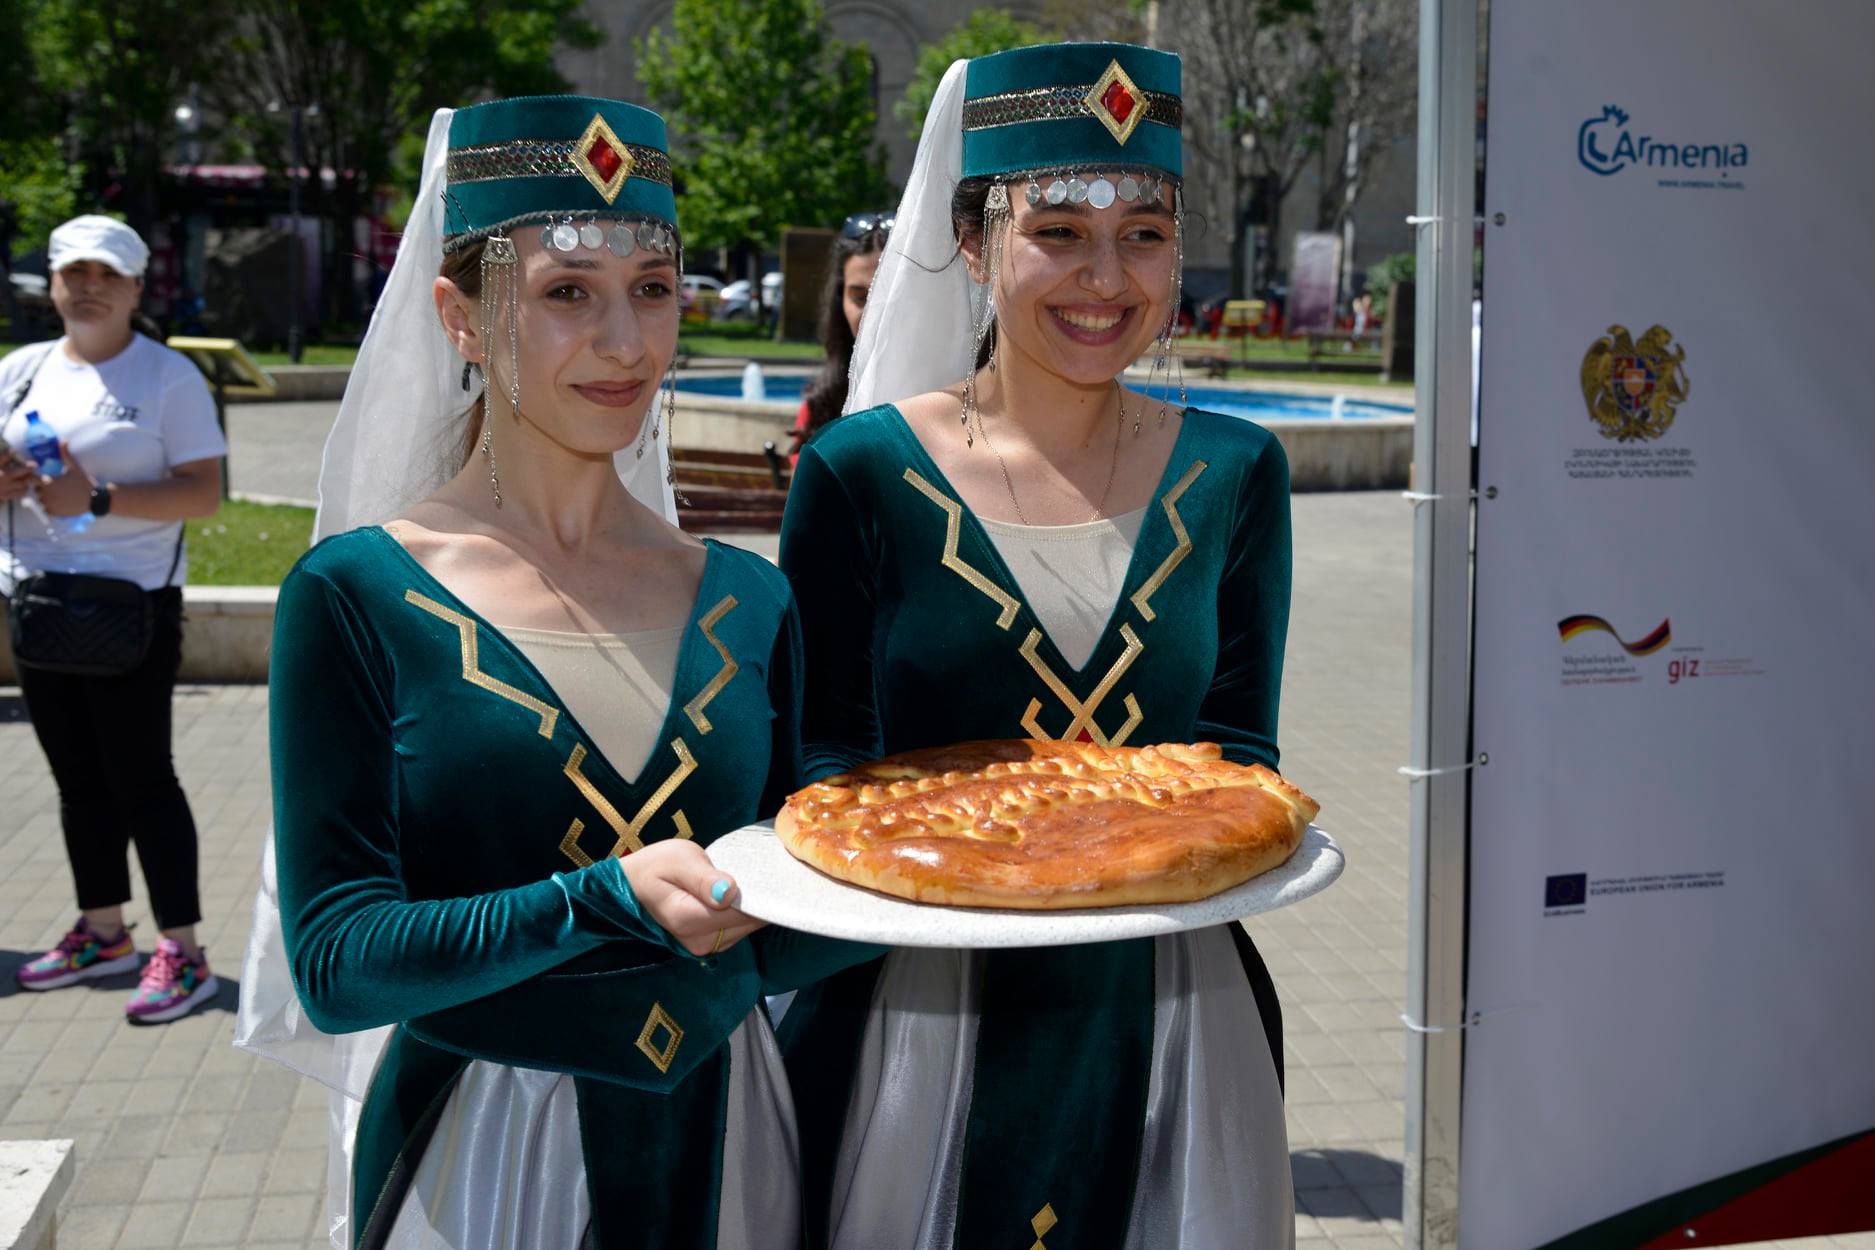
<point>1442,468</point>
<point>221,418</point>
<point>293,350</point>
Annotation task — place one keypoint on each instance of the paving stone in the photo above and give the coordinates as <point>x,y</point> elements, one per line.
<point>234,1175</point>
<point>287,1215</point>
<point>176,1119</point>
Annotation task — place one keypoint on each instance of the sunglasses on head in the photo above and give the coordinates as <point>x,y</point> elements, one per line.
<point>859,225</point>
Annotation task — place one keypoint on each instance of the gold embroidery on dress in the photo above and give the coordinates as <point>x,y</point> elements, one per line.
<point>627,831</point>
<point>1041,1222</point>
<point>953,526</point>
<point>472,666</point>
<point>1142,596</point>
<point>694,708</point>
<point>1083,722</point>
<point>660,1057</point>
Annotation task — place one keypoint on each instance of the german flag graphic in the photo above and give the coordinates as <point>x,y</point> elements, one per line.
<point>1571,626</point>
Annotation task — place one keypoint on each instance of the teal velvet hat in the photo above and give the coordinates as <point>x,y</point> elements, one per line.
<point>571,160</point>
<point>1060,107</point>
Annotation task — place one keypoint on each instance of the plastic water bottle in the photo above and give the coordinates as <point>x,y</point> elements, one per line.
<point>754,386</point>
<point>42,444</point>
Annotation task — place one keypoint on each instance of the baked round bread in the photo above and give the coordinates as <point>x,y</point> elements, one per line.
<point>1048,825</point>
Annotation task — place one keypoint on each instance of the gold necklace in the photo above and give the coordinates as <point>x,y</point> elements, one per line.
<point>1112,467</point>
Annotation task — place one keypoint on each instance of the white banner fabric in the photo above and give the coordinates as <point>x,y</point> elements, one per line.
<point>1672,898</point>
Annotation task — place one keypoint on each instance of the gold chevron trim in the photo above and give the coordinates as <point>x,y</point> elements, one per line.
<point>694,708</point>
<point>1084,712</point>
<point>627,832</point>
<point>472,664</point>
<point>1143,596</point>
<point>953,526</point>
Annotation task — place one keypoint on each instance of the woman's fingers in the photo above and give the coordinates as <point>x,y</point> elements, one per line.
<point>689,896</point>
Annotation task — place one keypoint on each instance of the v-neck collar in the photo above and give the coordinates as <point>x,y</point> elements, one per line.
<point>1136,569</point>
<point>686,652</point>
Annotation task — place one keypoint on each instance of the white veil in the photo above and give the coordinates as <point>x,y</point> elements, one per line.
<point>387,449</point>
<point>915,334</point>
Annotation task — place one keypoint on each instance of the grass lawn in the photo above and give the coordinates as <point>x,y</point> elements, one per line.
<point>709,343</point>
<point>1196,377</point>
<point>247,544</point>
<point>311,354</point>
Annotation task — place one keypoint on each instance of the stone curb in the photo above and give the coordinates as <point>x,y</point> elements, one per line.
<point>34,1176</point>
<point>226,636</point>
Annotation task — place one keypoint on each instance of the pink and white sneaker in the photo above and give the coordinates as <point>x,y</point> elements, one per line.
<point>173,985</point>
<point>79,956</point>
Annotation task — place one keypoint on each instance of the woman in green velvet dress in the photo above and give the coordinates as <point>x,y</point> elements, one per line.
<point>1017,545</point>
<point>506,721</point>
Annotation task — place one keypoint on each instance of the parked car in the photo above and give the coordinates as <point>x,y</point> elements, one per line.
<point>736,303</point>
<point>692,284</point>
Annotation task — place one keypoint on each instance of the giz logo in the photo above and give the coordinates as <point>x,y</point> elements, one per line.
<point>1687,668</point>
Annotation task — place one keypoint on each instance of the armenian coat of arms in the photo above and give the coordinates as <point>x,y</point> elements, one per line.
<point>1633,387</point>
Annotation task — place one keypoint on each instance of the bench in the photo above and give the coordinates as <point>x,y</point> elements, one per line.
<point>730,491</point>
<point>1344,346</point>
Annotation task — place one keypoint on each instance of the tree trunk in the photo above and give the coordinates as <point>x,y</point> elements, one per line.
<point>1240,210</point>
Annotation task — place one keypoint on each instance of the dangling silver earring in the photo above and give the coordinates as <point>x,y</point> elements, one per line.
<point>501,285</point>
<point>670,425</point>
<point>488,454</point>
<point>995,215</point>
<point>1178,294</point>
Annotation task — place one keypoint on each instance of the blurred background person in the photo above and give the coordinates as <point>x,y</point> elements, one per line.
<point>849,277</point>
<point>111,445</point>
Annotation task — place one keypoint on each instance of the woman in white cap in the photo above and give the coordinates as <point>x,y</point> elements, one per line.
<point>111,445</point>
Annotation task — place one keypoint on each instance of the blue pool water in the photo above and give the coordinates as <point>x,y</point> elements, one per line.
<point>1256,405</point>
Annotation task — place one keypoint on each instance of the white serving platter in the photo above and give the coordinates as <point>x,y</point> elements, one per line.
<point>782,890</point>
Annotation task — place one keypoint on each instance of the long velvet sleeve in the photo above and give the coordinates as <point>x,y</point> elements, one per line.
<point>827,557</point>
<point>1239,710</point>
<point>363,954</point>
<point>787,959</point>
<point>786,772</point>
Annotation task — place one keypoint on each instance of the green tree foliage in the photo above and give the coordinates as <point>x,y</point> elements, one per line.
<point>364,76</point>
<point>983,32</point>
<point>38,190</point>
<point>771,119</point>
<point>104,76</point>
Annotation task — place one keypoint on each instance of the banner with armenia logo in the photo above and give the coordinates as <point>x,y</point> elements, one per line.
<point>1671,970</point>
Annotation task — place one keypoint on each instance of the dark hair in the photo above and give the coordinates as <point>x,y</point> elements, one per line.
<point>825,395</point>
<point>464,268</point>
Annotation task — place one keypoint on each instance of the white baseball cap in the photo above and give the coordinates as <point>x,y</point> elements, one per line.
<point>105,239</point>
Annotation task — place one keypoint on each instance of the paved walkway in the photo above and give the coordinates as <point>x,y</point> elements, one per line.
<point>183,1141</point>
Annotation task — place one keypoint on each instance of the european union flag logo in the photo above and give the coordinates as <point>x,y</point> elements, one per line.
<point>1568,890</point>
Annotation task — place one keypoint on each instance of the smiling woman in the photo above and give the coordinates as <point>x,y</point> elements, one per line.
<point>1006,543</point>
<point>510,711</point>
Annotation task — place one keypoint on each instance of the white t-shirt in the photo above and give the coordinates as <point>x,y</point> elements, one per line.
<point>130,419</point>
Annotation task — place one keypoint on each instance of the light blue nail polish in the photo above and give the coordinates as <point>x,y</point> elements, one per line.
<point>720,891</point>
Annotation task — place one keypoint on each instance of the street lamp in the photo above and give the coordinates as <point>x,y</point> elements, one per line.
<point>295,116</point>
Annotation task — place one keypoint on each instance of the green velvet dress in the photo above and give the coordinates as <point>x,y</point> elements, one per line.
<point>449,843</point>
<point>1054,1127</point>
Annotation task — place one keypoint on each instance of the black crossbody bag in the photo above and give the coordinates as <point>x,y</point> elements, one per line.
<point>79,623</point>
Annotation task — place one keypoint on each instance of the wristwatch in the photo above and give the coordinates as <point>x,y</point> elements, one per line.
<point>100,500</point>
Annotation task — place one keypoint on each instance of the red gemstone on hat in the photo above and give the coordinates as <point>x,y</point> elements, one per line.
<point>604,158</point>
<point>1117,100</point>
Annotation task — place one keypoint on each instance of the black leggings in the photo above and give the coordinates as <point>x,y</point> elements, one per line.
<point>107,739</point>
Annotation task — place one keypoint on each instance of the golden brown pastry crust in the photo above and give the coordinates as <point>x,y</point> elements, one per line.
<point>1048,825</point>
